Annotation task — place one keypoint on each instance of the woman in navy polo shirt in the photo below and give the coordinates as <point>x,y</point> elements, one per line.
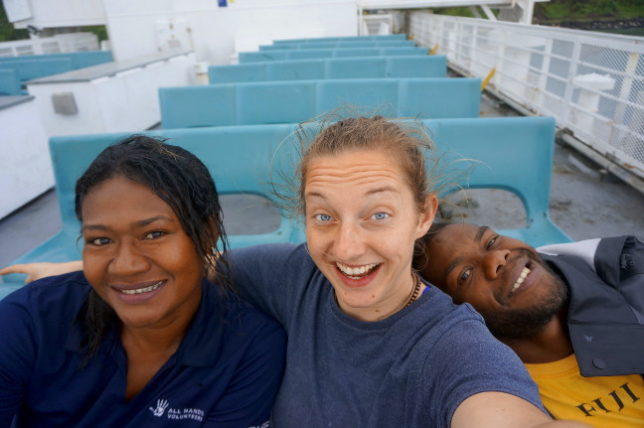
<point>140,337</point>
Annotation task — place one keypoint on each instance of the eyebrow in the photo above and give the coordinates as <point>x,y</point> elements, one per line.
<point>140,223</point>
<point>480,233</point>
<point>453,265</point>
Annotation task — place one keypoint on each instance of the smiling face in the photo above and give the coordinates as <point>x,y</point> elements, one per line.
<point>503,278</point>
<point>137,256</point>
<point>361,224</point>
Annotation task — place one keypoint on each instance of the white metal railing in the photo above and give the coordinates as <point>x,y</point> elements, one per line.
<point>592,83</point>
<point>70,42</point>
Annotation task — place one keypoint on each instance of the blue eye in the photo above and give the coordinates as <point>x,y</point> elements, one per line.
<point>154,234</point>
<point>323,218</point>
<point>380,216</point>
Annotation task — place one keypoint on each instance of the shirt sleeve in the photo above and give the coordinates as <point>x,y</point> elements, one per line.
<point>17,354</point>
<point>470,360</point>
<point>270,276</point>
<point>249,397</point>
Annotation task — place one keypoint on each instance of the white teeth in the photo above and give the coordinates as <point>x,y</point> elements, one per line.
<point>144,289</point>
<point>354,272</point>
<point>524,273</point>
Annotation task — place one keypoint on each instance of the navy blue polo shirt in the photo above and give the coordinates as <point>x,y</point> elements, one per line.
<point>225,373</point>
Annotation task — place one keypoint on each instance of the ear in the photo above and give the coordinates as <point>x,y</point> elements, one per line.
<point>426,217</point>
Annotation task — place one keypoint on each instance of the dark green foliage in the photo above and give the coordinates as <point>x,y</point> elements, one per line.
<point>7,32</point>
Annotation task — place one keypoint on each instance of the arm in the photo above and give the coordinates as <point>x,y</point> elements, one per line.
<point>501,410</point>
<point>270,277</point>
<point>36,271</point>
<point>17,354</point>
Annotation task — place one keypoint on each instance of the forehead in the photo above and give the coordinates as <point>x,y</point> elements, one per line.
<point>119,197</point>
<point>353,167</point>
<point>452,239</point>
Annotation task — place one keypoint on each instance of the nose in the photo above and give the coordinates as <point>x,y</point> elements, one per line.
<point>128,260</point>
<point>494,262</point>
<point>349,243</point>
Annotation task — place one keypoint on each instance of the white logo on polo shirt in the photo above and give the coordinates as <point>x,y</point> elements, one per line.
<point>176,413</point>
<point>160,409</point>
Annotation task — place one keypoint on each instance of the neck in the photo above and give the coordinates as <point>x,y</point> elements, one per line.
<point>550,344</point>
<point>407,295</point>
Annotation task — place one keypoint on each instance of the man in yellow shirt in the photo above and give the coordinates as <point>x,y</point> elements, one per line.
<point>574,313</point>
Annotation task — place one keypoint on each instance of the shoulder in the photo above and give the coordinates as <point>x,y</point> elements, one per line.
<point>243,323</point>
<point>281,254</point>
<point>440,312</point>
<point>55,295</point>
<point>465,359</point>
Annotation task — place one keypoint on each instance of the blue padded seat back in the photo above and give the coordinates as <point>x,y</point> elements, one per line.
<point>279,102</point>
<point>77,59</point>
<point>417,66</point>
<point>302,53</point>
<point>381,98</point>
<point>28,69</point>
<point>193,106</point>
<point>307,69</point>
<point>9,82</point>
<point>513,154</point>
<point>250,72</point>
<point>343,38</point>
<point>331,68</point>
<point>297,101</point>
<point>340,44</point>
<point>283,54</point>
<point>347,68</point>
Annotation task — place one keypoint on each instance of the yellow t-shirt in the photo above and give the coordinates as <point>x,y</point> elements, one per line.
<point>601,401</point>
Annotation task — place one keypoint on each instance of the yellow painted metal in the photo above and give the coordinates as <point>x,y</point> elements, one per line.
<point>487,79</point>
<point>434,49</point>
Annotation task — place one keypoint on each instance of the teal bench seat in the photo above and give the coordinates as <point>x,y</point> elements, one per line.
<point>331,68</point>
<point>244,159</point>
<point>9,82</point>
<point>344,38</point>
<point>297,101</point>
<point>78,59</point>
<point>31,67</point>
<point>282,54</point>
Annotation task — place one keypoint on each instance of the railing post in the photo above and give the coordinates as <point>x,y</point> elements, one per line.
<point>572,73</point>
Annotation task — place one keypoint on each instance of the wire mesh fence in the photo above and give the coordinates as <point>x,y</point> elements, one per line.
<point>592,83</point>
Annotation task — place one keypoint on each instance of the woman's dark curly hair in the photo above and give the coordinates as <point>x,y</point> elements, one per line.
<point>182,181</point>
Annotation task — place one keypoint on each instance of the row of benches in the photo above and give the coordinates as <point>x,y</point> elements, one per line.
<point>298,101</point>
<point>340,44</point>
<point>281,54</point>
<point>15,71</point>
<point>331,68</point>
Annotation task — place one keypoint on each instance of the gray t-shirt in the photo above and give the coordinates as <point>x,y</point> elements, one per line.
<point>412,369</point>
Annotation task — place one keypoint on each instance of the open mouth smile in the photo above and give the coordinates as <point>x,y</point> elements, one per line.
<point>356,272</point>
<point>520,281</point>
